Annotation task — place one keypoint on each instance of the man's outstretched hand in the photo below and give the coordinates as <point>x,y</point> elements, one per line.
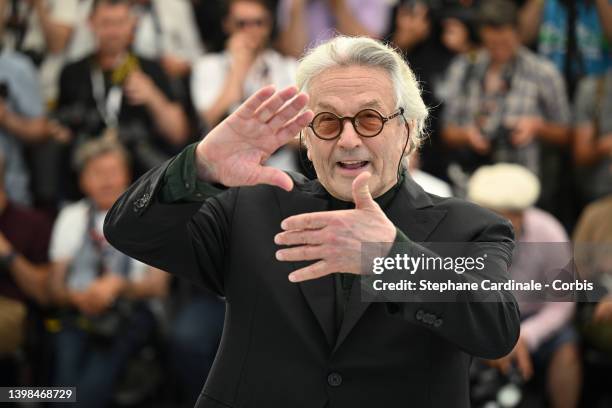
<point>334,238</point>
<point>233,152</point>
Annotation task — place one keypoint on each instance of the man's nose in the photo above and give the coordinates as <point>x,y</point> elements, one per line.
<point>349,138</point>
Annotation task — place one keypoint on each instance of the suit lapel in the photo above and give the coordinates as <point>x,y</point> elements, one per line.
<point>413,213</point>
<point>319,293</point>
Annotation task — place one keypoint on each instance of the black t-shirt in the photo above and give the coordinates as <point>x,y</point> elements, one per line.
<point>83,110</point>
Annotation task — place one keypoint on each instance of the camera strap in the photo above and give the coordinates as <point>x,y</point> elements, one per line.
<point>107,104</point>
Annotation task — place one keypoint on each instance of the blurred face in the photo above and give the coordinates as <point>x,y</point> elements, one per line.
<point>113,27</point>
<point>345,91</point>
<point>412,25</point>
<point>104,179</point>
<point>455,35</point>
<point>251,19</point>
<point>501,42</point>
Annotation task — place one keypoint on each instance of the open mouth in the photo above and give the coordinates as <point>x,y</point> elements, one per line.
<point>353,164</point>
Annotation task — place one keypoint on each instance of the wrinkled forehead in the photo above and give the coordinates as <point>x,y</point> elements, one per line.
<point>346,90</point>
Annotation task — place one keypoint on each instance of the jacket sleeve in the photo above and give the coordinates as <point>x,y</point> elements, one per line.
<point>485,325</point>
<point>188,238</point>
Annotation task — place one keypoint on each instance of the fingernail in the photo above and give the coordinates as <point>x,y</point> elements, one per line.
<point>277,239</point>
<point>284,225</point>
<point>279,255</point>
<point>293,277</point>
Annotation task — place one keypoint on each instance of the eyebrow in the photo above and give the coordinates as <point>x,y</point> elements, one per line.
<point>374,104</point>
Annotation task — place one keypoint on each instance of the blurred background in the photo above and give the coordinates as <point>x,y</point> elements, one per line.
<point>93,93</point>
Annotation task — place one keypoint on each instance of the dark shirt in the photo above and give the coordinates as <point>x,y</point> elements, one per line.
<point>344,281</point>
<point>82,109</point>
<point>29,233</point>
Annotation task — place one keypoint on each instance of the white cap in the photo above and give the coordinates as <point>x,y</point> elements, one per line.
<point>504,186</point>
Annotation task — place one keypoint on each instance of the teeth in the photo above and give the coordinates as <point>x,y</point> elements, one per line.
<point>352,161</point>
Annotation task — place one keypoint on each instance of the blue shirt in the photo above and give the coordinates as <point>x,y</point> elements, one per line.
<point>24,99</point>
<point>592,44</point>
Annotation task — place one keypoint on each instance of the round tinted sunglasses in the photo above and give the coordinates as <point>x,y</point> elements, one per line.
<point>367,123</point>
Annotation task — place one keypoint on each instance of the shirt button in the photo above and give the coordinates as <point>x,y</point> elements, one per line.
<point>419,315</point>
<point>187,185</point>
<point>334,379</point>
<point>438,323</point>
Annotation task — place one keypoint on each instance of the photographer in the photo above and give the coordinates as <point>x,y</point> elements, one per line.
<point>114,88</point>
<point>221,81</point>
<point>102,316</point>
<point>503,103</point>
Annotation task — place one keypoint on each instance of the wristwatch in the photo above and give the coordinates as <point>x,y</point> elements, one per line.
<point>7,260</point>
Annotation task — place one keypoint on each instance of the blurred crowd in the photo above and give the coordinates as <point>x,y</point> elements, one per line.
<point>93,93</point>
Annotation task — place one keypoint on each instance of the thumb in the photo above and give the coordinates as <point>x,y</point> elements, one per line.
<point>361,192</point>
<point>275,177</point>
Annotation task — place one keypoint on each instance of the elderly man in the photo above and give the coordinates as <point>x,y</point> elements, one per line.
<point>296,332</point>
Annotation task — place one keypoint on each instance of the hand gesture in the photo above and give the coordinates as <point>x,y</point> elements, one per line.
<point>334,238</point>
<point>243,50</point>
<point>233,152</point>
<point>140,89</point>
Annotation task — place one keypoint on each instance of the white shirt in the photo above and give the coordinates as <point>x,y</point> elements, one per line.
<point>431,184</point>
<point>61,11</point>
<point>210,71</point>
<point>176,34</point>
<point>69,230</point>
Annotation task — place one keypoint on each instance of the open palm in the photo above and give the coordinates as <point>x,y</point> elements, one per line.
<point>233,153</point>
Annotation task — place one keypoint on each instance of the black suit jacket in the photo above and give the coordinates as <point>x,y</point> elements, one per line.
<point>279,347</point>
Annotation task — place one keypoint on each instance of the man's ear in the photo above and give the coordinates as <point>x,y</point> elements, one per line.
<point>306,143</point>
<point>411,147</point>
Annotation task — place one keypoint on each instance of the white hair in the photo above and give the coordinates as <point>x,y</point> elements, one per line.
<point>343,51</point>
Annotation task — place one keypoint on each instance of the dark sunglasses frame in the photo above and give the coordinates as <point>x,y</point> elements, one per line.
<point>341,119</point>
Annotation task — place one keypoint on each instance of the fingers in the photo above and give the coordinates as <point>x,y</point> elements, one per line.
<point>361,192</point>
<point>267,110</point>
<point>250,106</point>
<point>274,177</point>
<point>288,111</point>
<point>315,220</point>
<point>314,271</point>
<point>306,237</point>
<point>293,127</point>
<point>301,253</point>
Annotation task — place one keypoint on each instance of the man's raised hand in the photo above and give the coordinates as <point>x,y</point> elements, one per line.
<point>334,238</point>
<point>233,152</point>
